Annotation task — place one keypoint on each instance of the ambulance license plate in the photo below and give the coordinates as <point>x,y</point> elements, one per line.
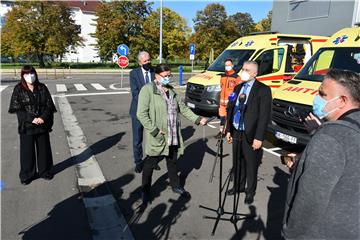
<point>285,137</point>
<point>190,105</point>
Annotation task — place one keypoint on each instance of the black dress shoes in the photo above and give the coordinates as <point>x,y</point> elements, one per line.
<point>26,182</point>
<point>181,191</point>
<point>232,191</point>
<point>249,199</point>
<point>48,176</point>
<point>139,167</point>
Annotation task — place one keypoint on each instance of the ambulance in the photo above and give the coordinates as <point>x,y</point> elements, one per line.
<point>279,57</point>
<point>293,100</point>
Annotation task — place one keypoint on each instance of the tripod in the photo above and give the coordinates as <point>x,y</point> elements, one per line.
<point>234,215</point>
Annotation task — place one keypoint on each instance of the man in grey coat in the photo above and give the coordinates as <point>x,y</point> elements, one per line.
<point>323,198</point>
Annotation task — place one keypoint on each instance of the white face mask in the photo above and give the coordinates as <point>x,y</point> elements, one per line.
<point>245,76</point>
<point>228,68</point>
<point>29,78</point>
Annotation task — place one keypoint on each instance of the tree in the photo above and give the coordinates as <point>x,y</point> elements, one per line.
<point>175,35</point>
<point>39,28</point>
<point>264,24</point>
<point>213,29</point>
<point>118,22</point>
<point>243,22</point>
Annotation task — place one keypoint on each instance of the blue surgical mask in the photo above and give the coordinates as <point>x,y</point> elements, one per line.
<point>319,104</point>
<point>165,80</point>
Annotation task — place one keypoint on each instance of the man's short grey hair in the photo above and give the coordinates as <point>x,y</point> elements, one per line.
<point>252,63</point>
<point>142,54</point>
<point>349,79</point>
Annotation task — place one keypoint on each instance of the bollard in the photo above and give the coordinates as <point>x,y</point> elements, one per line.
<point>180,75</point>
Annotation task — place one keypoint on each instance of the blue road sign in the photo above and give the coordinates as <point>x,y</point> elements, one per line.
<point>123,50</point>
<point>192,49</point>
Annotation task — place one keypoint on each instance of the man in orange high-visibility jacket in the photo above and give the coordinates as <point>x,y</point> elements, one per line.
<point>228,82</point>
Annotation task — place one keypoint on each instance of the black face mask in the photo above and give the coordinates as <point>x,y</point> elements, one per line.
<point>147,66</point>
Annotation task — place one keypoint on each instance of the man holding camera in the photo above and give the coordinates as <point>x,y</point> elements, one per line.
<point>248,117</point>
<point>324,188</point>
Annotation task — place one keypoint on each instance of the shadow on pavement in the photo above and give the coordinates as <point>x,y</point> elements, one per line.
<point>94,149</point>
<point>193,158</point>
<point>276,205</point>
<point>251,225</point>
<point>187,132</point>
<point>67,220</point>
<point>158,223</point>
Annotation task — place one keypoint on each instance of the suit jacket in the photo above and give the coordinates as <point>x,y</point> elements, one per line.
<point>137,81</point>
<point>257,111</point>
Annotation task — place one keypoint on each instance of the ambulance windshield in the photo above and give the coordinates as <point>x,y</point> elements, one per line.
<point>237,56</point>
<point>326,58</point>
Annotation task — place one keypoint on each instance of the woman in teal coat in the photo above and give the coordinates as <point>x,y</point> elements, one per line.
<point>158,111</point>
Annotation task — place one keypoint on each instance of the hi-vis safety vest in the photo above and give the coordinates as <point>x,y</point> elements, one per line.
<point>228,82</point>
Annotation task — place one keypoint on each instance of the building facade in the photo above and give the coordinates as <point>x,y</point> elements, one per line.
<point>314,17</point>
<point>84,14</point>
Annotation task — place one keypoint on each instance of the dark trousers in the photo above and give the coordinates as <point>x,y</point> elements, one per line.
<point>35,151</point>
<point>151,161</point>
<point>245,163</point>
<point>137,130</point>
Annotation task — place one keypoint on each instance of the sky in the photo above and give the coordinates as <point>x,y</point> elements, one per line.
<point>187,9</point>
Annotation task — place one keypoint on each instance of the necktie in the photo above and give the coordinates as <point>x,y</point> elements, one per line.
<point>238,121</point>
<point>147,77</point>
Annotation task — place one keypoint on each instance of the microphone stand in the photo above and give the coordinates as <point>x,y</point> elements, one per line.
<point>235,216</point>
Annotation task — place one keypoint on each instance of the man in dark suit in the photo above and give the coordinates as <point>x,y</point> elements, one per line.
<point>138,78</point>
<point>248,117</point>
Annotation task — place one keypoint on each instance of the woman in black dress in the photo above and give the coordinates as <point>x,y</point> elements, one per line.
<point>33,105</point>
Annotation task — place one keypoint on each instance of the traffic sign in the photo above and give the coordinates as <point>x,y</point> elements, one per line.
<point>123,49</point>
<point>123,61</point>
<point>192,49</point>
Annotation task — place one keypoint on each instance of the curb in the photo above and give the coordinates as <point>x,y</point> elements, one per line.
<point>104,215</point>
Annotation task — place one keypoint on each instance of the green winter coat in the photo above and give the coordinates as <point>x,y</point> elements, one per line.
<point>152,113</point>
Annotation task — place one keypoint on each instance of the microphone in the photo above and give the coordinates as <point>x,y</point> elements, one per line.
<point>242,98</point>
<point>232,97</point>
<point>211,119</point>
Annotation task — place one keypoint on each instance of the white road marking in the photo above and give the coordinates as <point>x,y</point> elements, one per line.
<point>271,152</point>
<point>61,88</point>
<point>80,87</point>
<point>209,125</point>
<point>89,94</point>
<point>104,215</point>
<point>2,87</point>
<point>274,149</point>
<point>98,86</point>
<point>215,122</point>
<point>113,86</point>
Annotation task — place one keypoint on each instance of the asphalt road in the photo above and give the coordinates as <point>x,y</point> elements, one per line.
<point>54,210</point>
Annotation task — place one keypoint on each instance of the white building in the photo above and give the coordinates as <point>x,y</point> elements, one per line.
<point>84,15</point>
<point>5,7</point>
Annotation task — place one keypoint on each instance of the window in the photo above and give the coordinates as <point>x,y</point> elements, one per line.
<point>237,56</point>
<point>326,58</point>
<point>270,61</point>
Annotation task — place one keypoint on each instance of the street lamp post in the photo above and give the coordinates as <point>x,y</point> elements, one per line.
<point>161,13</point>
